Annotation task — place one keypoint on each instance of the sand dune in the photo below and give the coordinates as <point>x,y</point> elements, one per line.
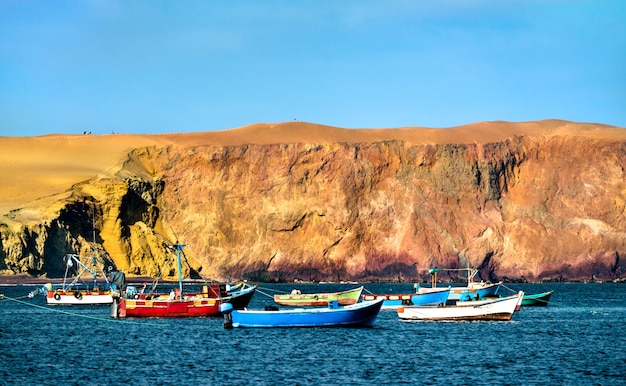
<point>39,167</point>
<point>34,168</point>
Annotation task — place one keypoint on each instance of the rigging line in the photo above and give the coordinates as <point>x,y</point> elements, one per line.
<point>368,291</point>
<point>2,297</point>
<point>263,293</point>
<point>81,315</point>
<point>510,289</point>
<point>273,290</point>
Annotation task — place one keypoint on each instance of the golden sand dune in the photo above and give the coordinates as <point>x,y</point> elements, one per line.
<point>38,167</point>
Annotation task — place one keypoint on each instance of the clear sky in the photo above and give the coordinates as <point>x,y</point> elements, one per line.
<point>150,66</point>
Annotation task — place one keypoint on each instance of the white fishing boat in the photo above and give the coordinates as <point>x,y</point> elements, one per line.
<point>494,309</point>
<point>77,291</point>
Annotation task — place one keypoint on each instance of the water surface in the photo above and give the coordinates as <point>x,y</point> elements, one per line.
<point>579,338</point>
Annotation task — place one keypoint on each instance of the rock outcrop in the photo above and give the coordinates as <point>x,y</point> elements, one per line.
<point>534,201</point>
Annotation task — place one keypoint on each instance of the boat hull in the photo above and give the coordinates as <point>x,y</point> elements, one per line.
<point>190,306</point>
<point>357,315</point>
<point>241,298</point>
<point>169,307</point>
<point>344,298</point>
<point>393,301</point>
<point>79,297</point>
<point>496,309</point>
<point>537,300</point>
<point>473,292</point>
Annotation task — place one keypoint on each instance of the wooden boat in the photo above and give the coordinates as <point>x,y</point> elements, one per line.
<point>174,305</point>
<point>178,304</point>
<point>77,292</point>
<point>297,299</point>
<point>536,300</point>
<point>361,314</point>
<point>494,309</point>
<point>165,307</point>
<point>474,303</point>
<point>471,291</point>
<point>393,301</point>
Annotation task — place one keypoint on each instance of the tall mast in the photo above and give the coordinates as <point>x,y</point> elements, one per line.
<point>93,232</point>
<point>179,248</point>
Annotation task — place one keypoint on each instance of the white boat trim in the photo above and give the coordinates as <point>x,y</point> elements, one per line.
<point>493,309</point>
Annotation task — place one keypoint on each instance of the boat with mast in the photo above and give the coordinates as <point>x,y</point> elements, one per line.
<point>78,292</point>
<point>179,304</point>
<point>471,291</point>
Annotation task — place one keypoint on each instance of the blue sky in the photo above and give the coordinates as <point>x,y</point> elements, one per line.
<point>185,66</point>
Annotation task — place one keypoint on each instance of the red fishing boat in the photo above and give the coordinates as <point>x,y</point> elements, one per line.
<point>179,304</point>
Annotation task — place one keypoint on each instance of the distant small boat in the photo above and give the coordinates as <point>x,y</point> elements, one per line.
<point>297,299</point>
<point>471,291</point>
<point>494,309</point>
<point>361,314</point>
<point>393,301</point>
<point>537,300</point>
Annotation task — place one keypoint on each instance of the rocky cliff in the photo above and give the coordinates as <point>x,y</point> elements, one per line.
<point>529,201</point>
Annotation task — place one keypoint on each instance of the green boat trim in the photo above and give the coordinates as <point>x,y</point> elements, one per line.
<point>537,300</point>
<point>297,299</point>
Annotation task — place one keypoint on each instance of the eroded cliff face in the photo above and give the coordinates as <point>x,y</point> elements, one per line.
<point>528,207</point>
<point>524,208</point>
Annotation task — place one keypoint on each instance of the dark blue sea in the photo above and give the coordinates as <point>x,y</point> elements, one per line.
<point>579,339</point>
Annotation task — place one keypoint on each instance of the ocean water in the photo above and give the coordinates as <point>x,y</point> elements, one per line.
<point>580,338</point>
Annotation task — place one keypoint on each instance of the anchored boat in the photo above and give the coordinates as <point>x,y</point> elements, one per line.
<point>393,301</point>
<point>361,314</point>
<point>77,292</point>
<point>174,305</point>
<point>494,309</point>
<point>471,291</point>
<point>180,304</point>
<point>537,300</point>
<point>297,299</point>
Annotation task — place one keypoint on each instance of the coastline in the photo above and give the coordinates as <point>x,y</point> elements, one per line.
<point>14,280</point>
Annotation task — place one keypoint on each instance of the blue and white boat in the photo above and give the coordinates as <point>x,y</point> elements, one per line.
<point>393,301</point>
<point>472,291</point>
<point>361,314</point>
